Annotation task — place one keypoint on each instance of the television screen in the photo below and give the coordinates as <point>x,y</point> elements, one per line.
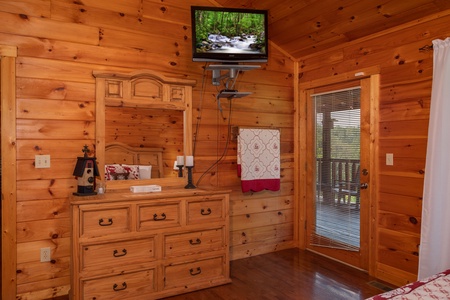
<point>229,34</point>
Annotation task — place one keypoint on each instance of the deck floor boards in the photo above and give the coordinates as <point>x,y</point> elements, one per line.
<point>338,222</point>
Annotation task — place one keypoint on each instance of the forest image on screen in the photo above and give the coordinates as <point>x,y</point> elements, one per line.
<point>229,32</point>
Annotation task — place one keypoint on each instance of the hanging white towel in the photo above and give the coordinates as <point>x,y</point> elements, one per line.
<point>258,159</point>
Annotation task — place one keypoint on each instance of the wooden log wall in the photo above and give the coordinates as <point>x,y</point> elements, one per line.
<point>406,63</point>
<point>60,43</point>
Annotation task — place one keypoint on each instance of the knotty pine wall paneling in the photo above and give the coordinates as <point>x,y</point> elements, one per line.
<point>60,43</point>
<point>406,77</point>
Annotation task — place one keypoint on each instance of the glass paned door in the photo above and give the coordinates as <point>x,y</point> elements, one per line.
<point>340,143</point>
<point>337,155</point>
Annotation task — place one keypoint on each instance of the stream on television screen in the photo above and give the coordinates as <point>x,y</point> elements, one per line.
<point>239,44</point>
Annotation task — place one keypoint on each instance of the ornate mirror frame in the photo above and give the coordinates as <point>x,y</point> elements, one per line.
<point>142,89</point>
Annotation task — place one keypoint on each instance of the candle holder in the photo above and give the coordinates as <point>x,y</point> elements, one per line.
<point>180,170</point>
<point>190,185</point>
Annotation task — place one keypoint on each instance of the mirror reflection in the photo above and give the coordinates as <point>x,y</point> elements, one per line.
<point>142,143</point>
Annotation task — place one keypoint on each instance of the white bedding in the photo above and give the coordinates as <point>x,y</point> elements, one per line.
<point>127,172</point>
<point>433,287</point>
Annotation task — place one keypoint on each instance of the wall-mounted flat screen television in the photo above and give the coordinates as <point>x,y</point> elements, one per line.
<point>229,34</point>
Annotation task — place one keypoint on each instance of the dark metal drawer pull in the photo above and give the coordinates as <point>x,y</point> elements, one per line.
<point>196,242</point>
<point>117,254</point>
<point>101,222</point>
<point>163,217</point>
<point>194,273</point>
<point>117,288</point>
<point>205,213</point>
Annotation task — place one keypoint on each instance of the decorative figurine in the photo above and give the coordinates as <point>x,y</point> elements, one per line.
<point>86,170</point>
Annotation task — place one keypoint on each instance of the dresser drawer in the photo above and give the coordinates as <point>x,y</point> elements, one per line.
<point>205,211</point>
<point>193,242</point>
<point>96,222</point>
<point>158,216</point>
<point>194,272</point>
<point>116,256</point>
<point>126,286</point>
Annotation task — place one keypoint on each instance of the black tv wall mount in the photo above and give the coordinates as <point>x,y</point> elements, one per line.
<point>226,72</point>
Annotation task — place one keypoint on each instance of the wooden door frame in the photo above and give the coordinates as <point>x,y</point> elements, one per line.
<point>8,56</point>
<point>300,152</point>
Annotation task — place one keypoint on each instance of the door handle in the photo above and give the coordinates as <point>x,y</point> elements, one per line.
<point>364,185</point>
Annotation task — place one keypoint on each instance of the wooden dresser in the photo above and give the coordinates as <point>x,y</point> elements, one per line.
<point>149,245</point>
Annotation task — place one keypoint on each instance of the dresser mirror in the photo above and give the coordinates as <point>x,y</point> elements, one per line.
<point>142,119</point>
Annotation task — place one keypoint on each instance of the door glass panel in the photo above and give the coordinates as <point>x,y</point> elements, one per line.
<point>337,155</point>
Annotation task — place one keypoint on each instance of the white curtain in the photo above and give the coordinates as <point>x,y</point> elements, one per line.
<point>435,232</point>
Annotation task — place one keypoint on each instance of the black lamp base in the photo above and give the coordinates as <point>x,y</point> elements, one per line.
<point>190,185</point>
<point>180,170</point>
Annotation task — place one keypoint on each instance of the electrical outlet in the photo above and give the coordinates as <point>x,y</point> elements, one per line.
<point>45,254</point>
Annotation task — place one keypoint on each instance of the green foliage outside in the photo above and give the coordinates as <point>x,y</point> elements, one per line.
<point>229,24</point>
<point>345,143</point>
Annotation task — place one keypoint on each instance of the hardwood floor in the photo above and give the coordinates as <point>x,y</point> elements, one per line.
<point>290,274</point>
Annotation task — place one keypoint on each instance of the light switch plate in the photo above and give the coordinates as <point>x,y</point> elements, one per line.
<point>41,161</point>
<point>389,159</point>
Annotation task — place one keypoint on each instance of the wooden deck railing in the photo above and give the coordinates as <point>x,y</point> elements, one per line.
<point>338,181</point>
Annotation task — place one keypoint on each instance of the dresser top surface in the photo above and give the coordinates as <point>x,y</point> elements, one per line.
<point>127,195</point>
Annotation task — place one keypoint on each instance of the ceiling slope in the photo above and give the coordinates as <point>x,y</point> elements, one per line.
<point>303,27</point>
